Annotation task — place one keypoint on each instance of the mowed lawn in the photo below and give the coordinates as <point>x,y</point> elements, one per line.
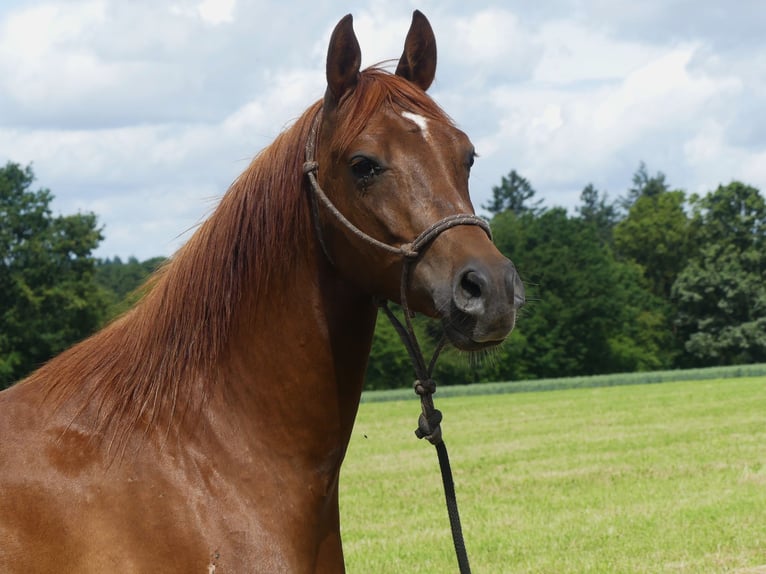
<point>650,478</point>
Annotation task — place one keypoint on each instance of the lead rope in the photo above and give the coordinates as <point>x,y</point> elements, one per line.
<point>429,427</point>
<point>429,422</point>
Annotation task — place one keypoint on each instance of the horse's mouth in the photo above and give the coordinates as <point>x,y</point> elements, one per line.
<point>463,339</point>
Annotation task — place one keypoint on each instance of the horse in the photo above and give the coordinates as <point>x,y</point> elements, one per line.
<point>204,430</point>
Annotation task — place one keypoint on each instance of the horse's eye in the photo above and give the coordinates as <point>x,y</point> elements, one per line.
<point>364,169</point>
<point>471,158</point>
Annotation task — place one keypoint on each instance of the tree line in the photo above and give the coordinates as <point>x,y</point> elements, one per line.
<point>654,279</point>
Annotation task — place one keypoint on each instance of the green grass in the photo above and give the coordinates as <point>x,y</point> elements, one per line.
<point>641,478</point>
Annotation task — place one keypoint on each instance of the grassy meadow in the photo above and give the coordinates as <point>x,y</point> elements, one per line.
<point>664,477</point>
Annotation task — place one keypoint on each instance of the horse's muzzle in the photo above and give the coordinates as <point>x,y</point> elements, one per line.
<point>484,304</point>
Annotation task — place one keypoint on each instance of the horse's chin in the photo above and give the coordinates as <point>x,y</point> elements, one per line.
<point>465,341</point>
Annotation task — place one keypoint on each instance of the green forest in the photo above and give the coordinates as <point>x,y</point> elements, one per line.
<point>654,278</point>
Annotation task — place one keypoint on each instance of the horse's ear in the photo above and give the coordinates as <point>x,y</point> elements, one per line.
<point>344,59</point>
<point>418,62</point>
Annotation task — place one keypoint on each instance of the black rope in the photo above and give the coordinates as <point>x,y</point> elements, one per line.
<point>452,511</point>
<point>429,427</point>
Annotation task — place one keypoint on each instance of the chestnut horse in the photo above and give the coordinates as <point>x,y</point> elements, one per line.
<point>204,430</point>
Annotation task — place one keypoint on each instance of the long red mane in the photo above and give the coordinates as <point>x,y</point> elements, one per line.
<point>165,352</point>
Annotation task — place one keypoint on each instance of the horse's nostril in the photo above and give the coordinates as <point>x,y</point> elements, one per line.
<point>470,283</point>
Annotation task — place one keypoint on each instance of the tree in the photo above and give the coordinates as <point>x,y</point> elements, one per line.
<point>644,185</point>
<point>596,210</point>
<point>721,293</point>
<point>656,234</point>
<point>513,194</point>
<point>734,214</point>
<point>587,313</point>
<point>48,299</point>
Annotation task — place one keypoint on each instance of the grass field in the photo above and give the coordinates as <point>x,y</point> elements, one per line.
<point>664,477</point>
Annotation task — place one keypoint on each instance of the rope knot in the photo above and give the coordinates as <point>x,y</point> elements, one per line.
<point>430,419</point>
<point>408,251</point>
<point>427,387</point>
<point>309,166</point>
<point>429,427</point>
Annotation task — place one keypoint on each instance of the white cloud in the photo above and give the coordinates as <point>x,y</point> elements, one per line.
<point>562,138</point>
<point>653,95</point>
<point>489,45</point>
<point>495,39</point>
<point>152,175</point>
<point>217,11</point>
<point>575,53</point>
<point>38,53</point>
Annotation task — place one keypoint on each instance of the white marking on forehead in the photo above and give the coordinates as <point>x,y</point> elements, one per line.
<point>418,120</point>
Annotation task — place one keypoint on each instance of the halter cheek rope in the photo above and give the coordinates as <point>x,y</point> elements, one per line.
<point>429,422</point>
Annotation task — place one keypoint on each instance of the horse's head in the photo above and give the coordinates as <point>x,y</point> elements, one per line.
<point>394,164</point>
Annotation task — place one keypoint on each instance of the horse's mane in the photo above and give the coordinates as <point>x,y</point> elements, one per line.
<point>166,352</point>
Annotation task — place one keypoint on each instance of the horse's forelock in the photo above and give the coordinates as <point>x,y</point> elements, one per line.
<point>377,88</point>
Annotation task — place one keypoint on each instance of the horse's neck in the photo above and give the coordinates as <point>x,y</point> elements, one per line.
<point>297,364</point>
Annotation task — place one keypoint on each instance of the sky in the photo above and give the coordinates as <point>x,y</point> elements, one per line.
<point>144,112</point>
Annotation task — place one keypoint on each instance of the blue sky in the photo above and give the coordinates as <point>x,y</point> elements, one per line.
<point>144,112</point>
